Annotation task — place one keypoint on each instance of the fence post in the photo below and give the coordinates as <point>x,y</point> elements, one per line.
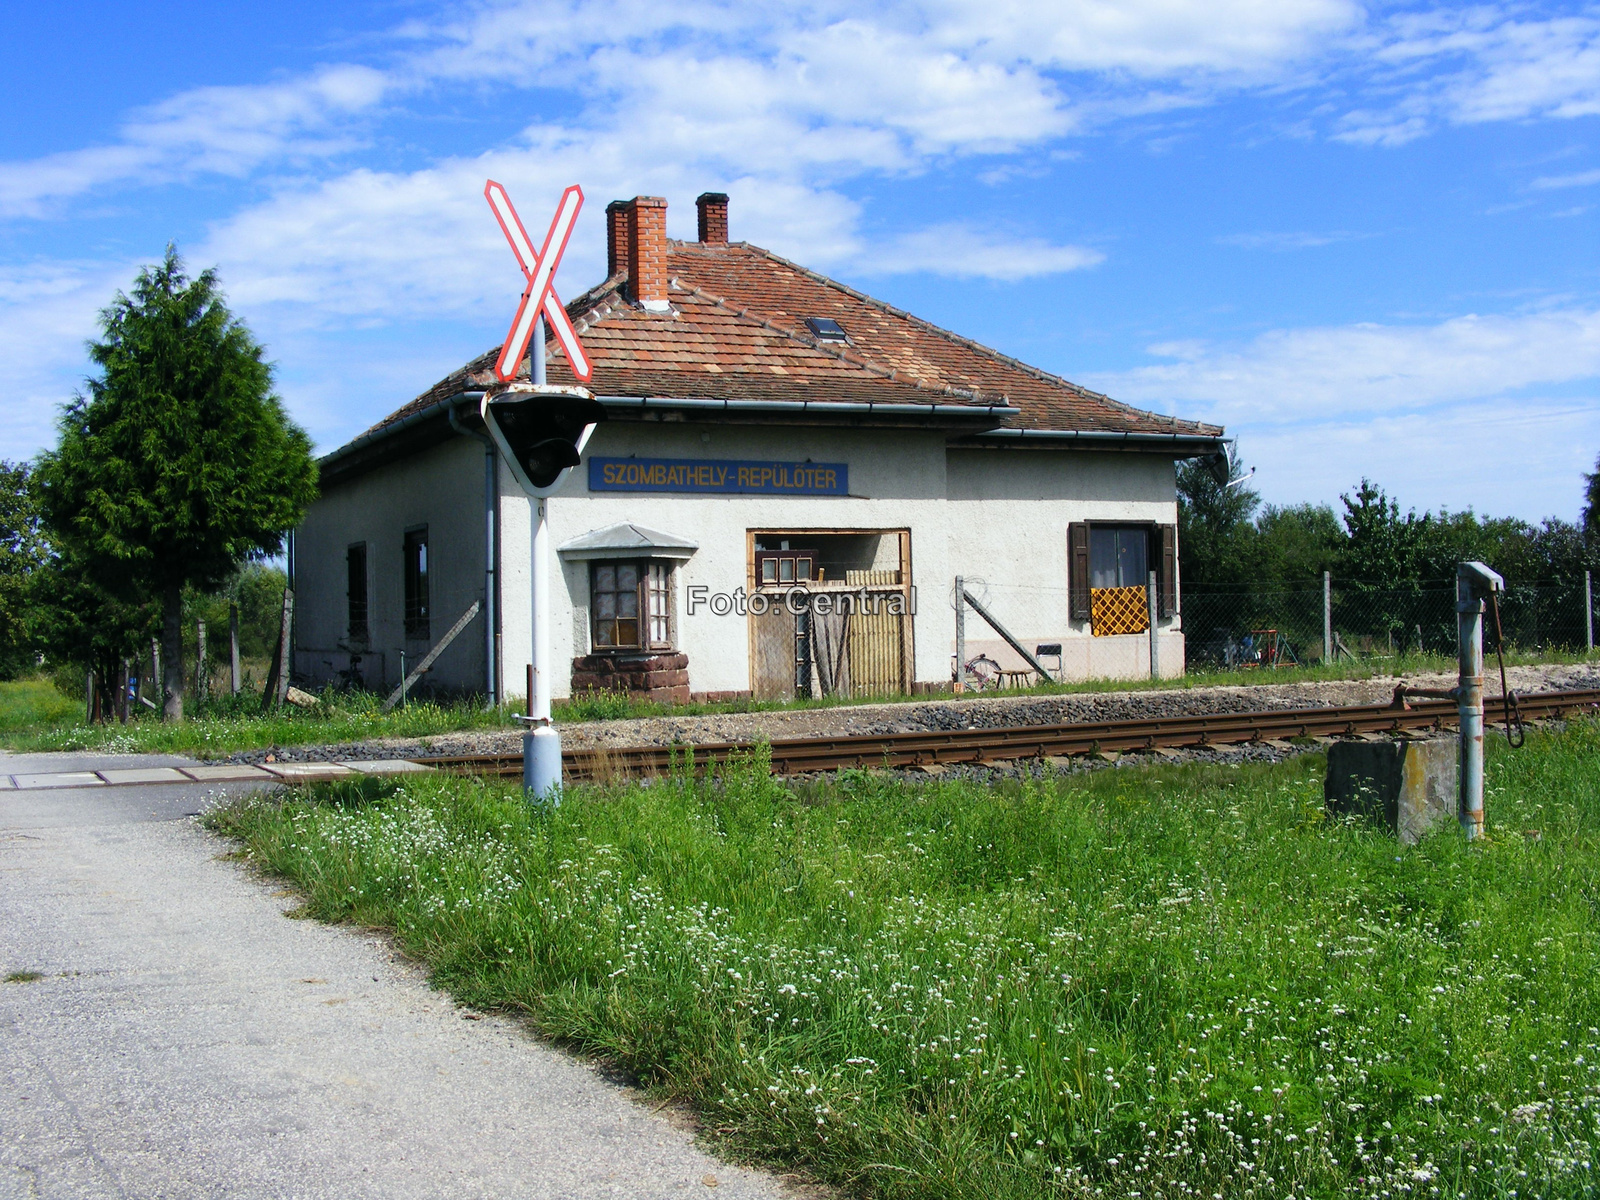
<point>1327,616</point>
<point>961,635</point>
<point>1155,654</point>
<point>233,647</point>
<point>1588,611</point>
<point>155,670</point>
<point>200,679</point>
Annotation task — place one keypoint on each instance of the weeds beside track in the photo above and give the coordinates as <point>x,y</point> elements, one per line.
<point>1172,982</point>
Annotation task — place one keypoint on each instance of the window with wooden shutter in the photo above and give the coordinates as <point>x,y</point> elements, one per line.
<point>1167,577</point>
<point>1078,571</point>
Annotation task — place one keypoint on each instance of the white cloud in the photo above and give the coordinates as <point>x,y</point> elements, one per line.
<point>222,130</point>
<point>48,312</point>
<point>1579,179</point>
<point>1475,64</point>
<point>1524,460</point>
<point>963,251</point>
<point>1288,241</point>
<point>1290,375</point>
<point>1497,412</point>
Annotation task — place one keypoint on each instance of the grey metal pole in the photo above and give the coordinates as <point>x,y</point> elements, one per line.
<point>541,745</point>
<point>1327,616</point>
<point>1155,653</point>
<point>491,673</point>
<point>402,679</point>
<point>1473,582</point>
<point>961,634</point>
<point>1588,612</point>
<point>536,349</point>
<point>200,680</point>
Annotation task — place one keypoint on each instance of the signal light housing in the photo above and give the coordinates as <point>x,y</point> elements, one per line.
<point>541,430</point>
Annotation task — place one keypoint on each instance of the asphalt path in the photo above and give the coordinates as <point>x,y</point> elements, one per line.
<point>186,1039</point>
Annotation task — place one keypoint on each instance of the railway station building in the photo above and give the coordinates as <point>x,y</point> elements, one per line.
<point>790,479</point>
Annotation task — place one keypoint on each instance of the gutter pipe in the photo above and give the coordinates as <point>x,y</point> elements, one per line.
<point>804,406</point>
<point>1103,437</point>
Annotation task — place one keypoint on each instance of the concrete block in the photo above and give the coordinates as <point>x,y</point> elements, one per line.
<point>1407,787</point>
<point>126,775</point>
<point>389,766</point>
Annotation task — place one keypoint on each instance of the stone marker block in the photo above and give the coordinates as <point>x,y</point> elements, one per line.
<point>1407,787</point>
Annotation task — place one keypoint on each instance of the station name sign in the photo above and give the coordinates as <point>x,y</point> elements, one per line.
<point>718,475</point>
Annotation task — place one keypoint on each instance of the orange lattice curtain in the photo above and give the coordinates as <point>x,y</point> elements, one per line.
<point>1118,610</point>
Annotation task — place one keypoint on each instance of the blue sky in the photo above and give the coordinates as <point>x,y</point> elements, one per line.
<point>1362,237</point>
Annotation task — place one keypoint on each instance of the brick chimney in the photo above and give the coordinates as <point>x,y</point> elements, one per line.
<point>713,208</point>
<point>647,252</point>
<point>616,238</point>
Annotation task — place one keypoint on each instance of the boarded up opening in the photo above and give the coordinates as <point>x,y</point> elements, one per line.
<point>830,612</point>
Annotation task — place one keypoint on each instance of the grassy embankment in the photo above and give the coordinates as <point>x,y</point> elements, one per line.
<point>34,716</point>
<point>1152,982</point>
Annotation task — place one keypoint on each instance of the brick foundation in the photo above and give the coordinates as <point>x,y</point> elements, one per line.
<point>660,677</point>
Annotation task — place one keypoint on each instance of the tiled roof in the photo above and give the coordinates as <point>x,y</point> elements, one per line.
<point>736,331</point>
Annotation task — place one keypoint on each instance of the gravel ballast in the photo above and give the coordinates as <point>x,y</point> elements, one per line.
<point>976,712</point>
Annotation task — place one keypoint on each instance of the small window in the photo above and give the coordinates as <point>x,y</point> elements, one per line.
<point>355,565</point>
<point>784,567</point>
<point>630,605</point>
<point>658,591</point>
<point>1119,556</point>
<point>826,329</point>
<point>416,566</point>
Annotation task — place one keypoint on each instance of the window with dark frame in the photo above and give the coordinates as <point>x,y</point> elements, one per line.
<point>416,584</point>
<point>1119,556</point>
<point>355,562</point>
<point>630,605</point>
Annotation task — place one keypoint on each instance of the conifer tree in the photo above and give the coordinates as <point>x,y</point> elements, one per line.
<point>180,463</point>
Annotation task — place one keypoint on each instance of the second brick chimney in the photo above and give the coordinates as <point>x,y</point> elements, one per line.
<point>647,252</point>
<point>616,238</point>
<point>713,208</point>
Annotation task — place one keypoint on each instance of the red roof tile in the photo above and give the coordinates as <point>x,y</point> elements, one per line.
<point>737,332</point>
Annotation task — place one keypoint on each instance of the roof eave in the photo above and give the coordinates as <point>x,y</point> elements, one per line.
<point>1174,445</point>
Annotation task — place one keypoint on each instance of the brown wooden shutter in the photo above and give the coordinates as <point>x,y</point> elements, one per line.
<point>1078,570</point>
<point>1167,580</point>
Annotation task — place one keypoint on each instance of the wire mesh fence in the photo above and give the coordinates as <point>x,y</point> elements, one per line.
<point>1229,629</point>
<point>1224,629</point>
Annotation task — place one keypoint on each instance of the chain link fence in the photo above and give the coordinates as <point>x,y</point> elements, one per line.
<point>1231,629</point>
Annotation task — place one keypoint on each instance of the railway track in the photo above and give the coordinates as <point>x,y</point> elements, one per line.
<point>798,756</point>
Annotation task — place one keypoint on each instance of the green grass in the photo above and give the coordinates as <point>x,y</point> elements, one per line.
<point>1168,982</point>
<point>34,716</point>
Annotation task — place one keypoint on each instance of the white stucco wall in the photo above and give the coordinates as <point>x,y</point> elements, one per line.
<point>1007,520</point>
<point>996,516</point>
<point>441,488</point>
<point>897,480</point>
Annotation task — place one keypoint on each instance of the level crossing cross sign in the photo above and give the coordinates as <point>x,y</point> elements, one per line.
<point>539,268</point>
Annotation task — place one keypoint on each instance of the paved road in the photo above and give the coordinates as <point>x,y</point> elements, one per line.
<point>187,1040</point>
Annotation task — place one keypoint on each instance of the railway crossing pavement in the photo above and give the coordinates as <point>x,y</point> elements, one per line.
<point>183,1039</point>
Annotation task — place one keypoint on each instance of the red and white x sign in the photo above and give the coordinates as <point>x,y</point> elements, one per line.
<point>539,267</point>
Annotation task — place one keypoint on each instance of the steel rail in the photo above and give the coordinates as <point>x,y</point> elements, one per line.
<point>920,748</point>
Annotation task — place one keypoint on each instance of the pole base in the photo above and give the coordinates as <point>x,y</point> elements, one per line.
<point>541,765</point>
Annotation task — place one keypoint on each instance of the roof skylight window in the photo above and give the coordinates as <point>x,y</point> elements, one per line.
<point>826,329</point>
